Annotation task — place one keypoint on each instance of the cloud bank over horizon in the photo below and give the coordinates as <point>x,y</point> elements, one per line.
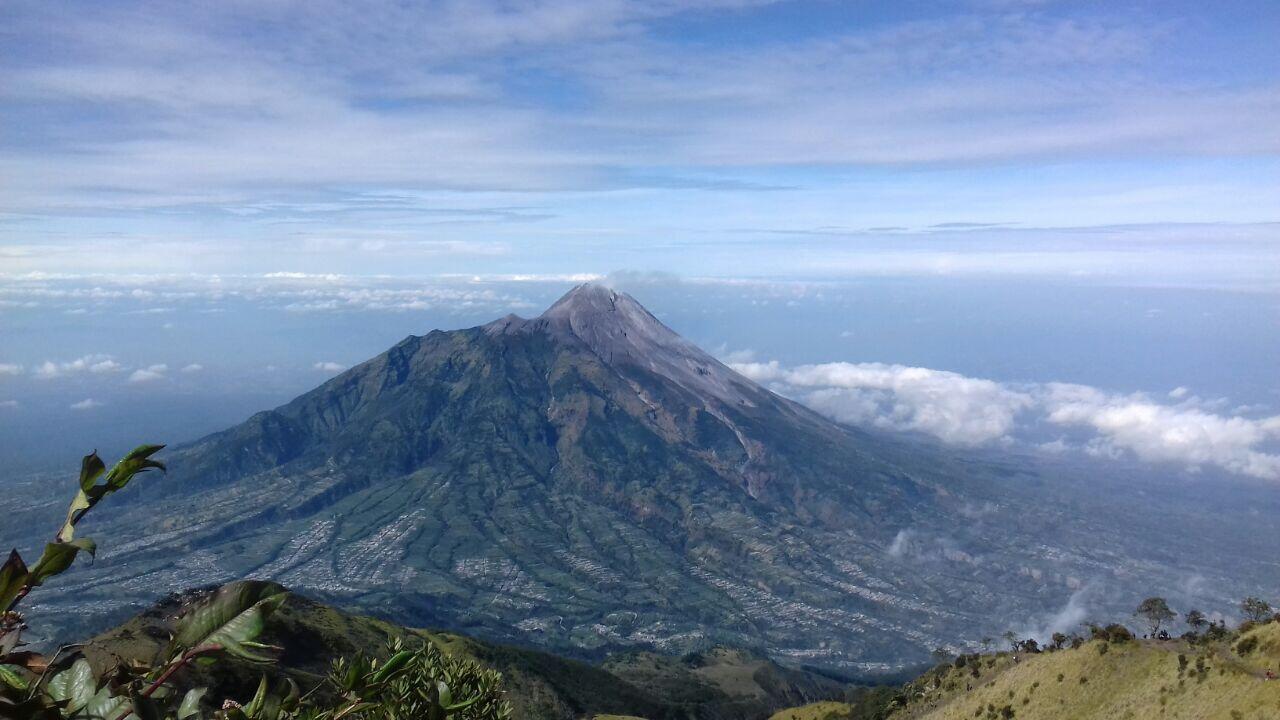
<point>1180,429</point>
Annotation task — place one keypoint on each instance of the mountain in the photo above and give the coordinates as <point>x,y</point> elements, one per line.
<point>713,685</point>
<point>588,481</point>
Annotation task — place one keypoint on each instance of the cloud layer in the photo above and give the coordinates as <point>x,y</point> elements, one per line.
<point>1181,429</point>
<point>225,134</point>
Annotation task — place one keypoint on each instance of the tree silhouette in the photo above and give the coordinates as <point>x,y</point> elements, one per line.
<point>1196,620</point>
<point>1255,609</point>
<point>1156,612</point>
<point>1012,638</point>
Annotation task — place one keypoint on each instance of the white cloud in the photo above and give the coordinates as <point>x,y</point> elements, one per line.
<point>47,370</point>
<point>1181,433</point>
<point>96,364</point>
<point>970,411</point>
<point>10,369</point>
<point>947,405</point>
<point>193,368</point>
<point>86,404</point>
<point>330,367</point>
<point>9,403</point>
<point>105,366</point>
<point>149,373</point>
<point>731,357</point>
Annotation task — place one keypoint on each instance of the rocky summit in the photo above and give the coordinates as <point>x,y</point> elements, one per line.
<point>588,481</point>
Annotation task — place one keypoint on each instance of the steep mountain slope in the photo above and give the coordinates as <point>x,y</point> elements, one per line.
<point>587,480</point>
<point>717,684</point>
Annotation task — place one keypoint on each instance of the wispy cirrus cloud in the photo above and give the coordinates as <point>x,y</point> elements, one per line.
<point>521,130</point>
<point>288,290</point>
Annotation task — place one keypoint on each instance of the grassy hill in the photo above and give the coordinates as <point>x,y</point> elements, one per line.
<point>1142,680</point>
<point>717,684</point>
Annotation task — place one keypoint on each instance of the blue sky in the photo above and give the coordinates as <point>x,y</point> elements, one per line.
<point>1053,226</point>
<point>714,137</point>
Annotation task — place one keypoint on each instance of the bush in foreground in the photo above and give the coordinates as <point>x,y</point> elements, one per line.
<point>419,682</point>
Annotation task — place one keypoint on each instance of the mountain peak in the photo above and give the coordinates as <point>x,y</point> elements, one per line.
<point>591,309</point>
<point>620,331</point>
<point>589,296</point>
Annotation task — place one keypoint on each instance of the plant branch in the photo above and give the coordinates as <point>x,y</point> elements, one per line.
<point>173,667</point>
<point>35,687</point>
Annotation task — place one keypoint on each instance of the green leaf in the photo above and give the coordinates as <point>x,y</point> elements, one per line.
<point>79,504</point>
<point>190,706</point>
<point>9,675</point>
<point>105,706</point>
<point>57,557</point>
<point>255,705</point>
<point>137,461</point>
<point>462,705</point>
<point>393,664</point>
<point>233,616</point>
<point>291,698</point>
<point>90,492</point>
<point>445,694</point>
<point>91,468</point>
<point>13,576</point>
<point>76,685</point>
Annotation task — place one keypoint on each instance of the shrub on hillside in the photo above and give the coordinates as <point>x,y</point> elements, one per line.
<point>1255,609</point>
<point>1118,634</point>
<point>412,683</point>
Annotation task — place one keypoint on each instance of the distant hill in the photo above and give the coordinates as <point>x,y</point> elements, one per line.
<point>716,685</point>
<point>1141,680</point>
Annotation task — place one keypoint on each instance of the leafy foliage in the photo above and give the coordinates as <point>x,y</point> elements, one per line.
<point>413,683</point>
<point>419,683</point>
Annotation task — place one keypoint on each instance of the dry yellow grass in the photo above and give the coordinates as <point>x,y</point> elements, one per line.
<point>1134,681</point>
<point>1144,680</point>
<point>814,711</point>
